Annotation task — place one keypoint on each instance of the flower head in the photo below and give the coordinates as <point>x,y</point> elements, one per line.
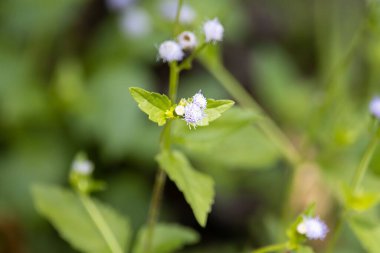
<point>213,30</point>
<point>193,114</point>
<point>169,10</point>
<point>170,51</point>
<point>374,107</point>
<point>84,167</point>
<point>200,100</point>
<point>179,110</point>
<point>313,228</point>
<point>187,40</point>
<point>135,22</point>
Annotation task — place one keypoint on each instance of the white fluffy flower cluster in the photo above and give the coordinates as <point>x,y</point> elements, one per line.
<point>171,50</point>
<point>193,111</point>
<point>313,228</point>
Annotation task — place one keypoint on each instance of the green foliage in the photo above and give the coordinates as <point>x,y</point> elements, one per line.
<point>359,201</point>
<point>167,238</point>
<point>230,142</point>
<point>153,104</point>
<point>197,187</point>
<point>68,213</point>
<point>305,249</point>
<point>367,230</point>
<point>214,110</point>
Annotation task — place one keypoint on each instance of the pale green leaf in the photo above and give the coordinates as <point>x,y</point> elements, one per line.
<point>166,238</point>
<point>214,110</point>
<point>152,103</point>
<point>67,213</point>
<point>359,201</point>
<point>367,230</point>
<point>198,188</point>
<point>305,249</point>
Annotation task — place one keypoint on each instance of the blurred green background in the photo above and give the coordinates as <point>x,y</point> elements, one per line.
<point>65,70</point>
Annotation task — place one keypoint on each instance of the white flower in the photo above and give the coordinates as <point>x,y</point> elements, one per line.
<point>179,110</point>
<point>187,40</point>
<point>169,11</point>
<point>84,167</point>
<point>374,107</point>
<point>213,30</point>
<point>170,51</point>
<point>313,228</point>
<point>135,22</point>
<point>118,4</point>
<point>193,114</point>
<point>200,100</point>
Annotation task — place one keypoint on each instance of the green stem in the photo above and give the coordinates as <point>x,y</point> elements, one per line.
<point>266,124</point>
<point>177,17</point>
<point>335,235</point>
<point>101,224</point>
<point>363,165</point>
<point>165,142</point>
<point>272,248</point>
<point>186,64</point>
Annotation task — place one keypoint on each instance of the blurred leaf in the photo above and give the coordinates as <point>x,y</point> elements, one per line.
<point>198,188</point>
<point>242,146</point>
<point>214,110</point>
<point>166,238</point>
<point>152,103</point>
<point>280,85</point>
<point>68,214</point>
<point>305,249</point>
<point>367,230</point>
<point>359,201</point>
<point>232,120</point>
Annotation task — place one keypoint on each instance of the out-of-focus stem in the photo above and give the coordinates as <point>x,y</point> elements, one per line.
<point>271,248</point>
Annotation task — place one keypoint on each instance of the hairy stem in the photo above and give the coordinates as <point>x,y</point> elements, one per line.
<point>101,224</point>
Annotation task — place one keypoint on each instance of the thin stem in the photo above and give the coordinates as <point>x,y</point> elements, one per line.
<point>173,81</point>
<point>363,165</point>
<point>186,64</point>
<point>271,248</point>
<point>177,17</point>
<point>266,124</point>
<point>165,142</point>
<point>101,224</point>
<point>335,235</point>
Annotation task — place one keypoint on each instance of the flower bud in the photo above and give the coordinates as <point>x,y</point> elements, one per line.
<point>187,40</point>
<point>313,228</point>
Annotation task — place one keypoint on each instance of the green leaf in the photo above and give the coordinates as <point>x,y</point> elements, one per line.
<point>198,188</point>
<point>359,201</point>
<point>367,230</point>
<point>153,104</point>
<point>214,110</point>
<point>305,249</point>
<point>67,212</point>
<point>166,238</point>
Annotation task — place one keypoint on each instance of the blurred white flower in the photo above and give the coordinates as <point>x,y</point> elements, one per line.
<point>170,51</point>
<point>118,5</point>
<point>374,107</point>
<point>313,228</point>
<point>84,167</point>
<point>213,30</point>
<point>135,22</point>
<point>187,40</point>
<point>169,10</point>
